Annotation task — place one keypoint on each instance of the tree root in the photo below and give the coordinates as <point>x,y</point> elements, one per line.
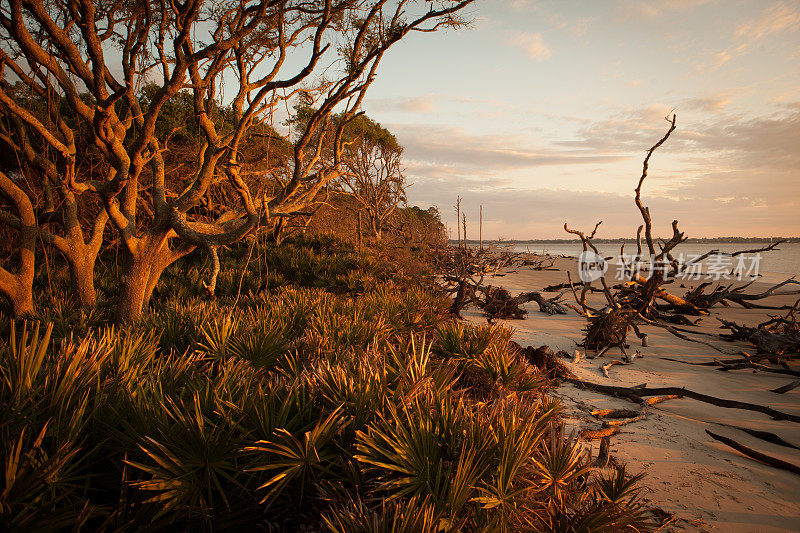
<point>754,454</point>
<point>638,395</point>
<point>786,388</point>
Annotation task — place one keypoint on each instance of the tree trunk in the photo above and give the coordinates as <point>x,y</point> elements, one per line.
<point>132,287</point>
<point>141,270</point>
<point>277,230</point>
<point>18,286</point>
<point>82,279</point>
<point>21,301</point>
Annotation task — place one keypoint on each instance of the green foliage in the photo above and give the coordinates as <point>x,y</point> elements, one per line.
<point>313,403</point>
<point>297,461</point>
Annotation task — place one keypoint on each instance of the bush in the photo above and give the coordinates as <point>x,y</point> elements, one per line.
<point>343,400</point>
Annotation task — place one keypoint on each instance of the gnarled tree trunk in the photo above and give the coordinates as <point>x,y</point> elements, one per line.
<point>142,267</point>
<point>18,287</point>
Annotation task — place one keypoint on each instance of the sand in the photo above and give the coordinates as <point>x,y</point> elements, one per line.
<point>707,485</point>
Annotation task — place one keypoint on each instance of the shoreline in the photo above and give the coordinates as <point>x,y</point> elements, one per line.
<point>706,485</point>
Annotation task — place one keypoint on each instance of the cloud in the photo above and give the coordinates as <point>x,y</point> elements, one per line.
<point>418,104</point>
<point>531,43</point>
<point>709,104</point>
<point>775,19</point>
<point>649,10</point>
<point>783,17</point>
<point>451,145</point>
<point>541,213</point>
<point>725,174</point>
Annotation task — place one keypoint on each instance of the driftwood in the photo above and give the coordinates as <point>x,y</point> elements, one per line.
<point>610,329</point>
<point>640,416</point>
<point>463,270</point>
<point>497,303</point>
<point>757,367</point>
<point>764,340</point>
<point>754,454</point>
<point>638,395</point>
<point>745,363</point>
<point>677,332</point>
<point>614,413</point>
<point>730,293</point>
<point>564,286</point>
<point>606,367</point>
<point>658,399</point>
<point>592,434</point>
<point>786,388</point>
<point>603,455</point>
<point>544,359</point>
<point>764,435</point>
<point>638,299</point>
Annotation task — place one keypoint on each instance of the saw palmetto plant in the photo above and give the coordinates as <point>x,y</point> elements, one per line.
<point>303,406</point>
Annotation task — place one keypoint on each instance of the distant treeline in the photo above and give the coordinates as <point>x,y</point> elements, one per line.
<point>701,240</point>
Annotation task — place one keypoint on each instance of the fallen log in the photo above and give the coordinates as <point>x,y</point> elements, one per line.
<point>614,413</point>
<point>658,399</point>
<point>786,388</point>
<point>764,435</point>
<point>737,295</point>
<point>684,337</point>
<point>593,434</point>
<point>622,422</point>
<point>561,286</point>
<point>498,303</point>
<point>716,362</point>
<point>638,396</point>
<point>751,365</point>
<point>550,306</point>
<point>662,294</point>
<point>764,341</point>
<point>754,454</point>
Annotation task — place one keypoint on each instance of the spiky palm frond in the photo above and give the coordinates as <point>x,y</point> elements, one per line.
<point>423,449</point>
<point>261,348</point>
<point>330,331</point>
<point>23,359</point>
<point>450,339</point>
<point>192,460</point>
<point>414,515</point>
<point>517,430</point>
<point>300,461</point>
<point>410,362</point>
<point>40,490</point>
<point>560,464</point>
<point>357,385</point>
<point>615,487</point>
<point>216,336</point>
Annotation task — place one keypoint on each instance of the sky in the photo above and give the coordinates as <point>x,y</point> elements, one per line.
<point>542,112</point>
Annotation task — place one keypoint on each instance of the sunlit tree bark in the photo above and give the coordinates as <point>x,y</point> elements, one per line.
<point>94,56</point>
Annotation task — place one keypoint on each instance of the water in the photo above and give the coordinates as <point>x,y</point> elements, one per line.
<point>779,263</point>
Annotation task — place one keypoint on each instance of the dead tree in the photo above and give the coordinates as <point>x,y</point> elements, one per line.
<point>634,302</point>
<point>192,46</point>
<point>722,294</point>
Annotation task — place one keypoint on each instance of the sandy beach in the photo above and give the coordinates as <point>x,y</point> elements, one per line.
<point>707,485</point>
